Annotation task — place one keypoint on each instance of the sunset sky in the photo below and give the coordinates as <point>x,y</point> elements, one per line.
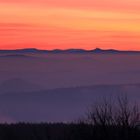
<point>62,24</point>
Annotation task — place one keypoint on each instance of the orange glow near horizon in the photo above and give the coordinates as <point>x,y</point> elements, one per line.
<point>62,24</point>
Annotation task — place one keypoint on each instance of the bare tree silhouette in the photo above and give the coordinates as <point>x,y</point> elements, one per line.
<point>121,113</point>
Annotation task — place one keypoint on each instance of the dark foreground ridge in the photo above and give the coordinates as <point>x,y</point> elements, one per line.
<point>61,131</point>
<point>69,51</point>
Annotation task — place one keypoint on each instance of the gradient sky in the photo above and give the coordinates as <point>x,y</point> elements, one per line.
<point>50,24</point>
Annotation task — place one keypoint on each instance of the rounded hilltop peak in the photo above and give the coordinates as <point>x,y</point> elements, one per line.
<point>30,49</point>
<point>98,50</point>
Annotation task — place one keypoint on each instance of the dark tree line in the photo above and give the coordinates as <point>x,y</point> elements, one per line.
<point>62,131</point>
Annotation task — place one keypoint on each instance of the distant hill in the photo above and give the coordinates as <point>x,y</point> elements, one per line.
<point>56,105</point>
<point>15,56</point>
<point>18,85</point>
<point>68,51</point>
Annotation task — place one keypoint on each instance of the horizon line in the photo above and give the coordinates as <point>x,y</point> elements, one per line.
<point>97,48</point>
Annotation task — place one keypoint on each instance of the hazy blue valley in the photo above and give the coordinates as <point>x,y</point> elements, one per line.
<point>36,87</point>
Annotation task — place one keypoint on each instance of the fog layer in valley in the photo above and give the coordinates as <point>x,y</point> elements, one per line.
<point>60,87</point>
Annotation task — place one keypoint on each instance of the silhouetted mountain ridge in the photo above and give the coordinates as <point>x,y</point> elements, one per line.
<point>71,51</point>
